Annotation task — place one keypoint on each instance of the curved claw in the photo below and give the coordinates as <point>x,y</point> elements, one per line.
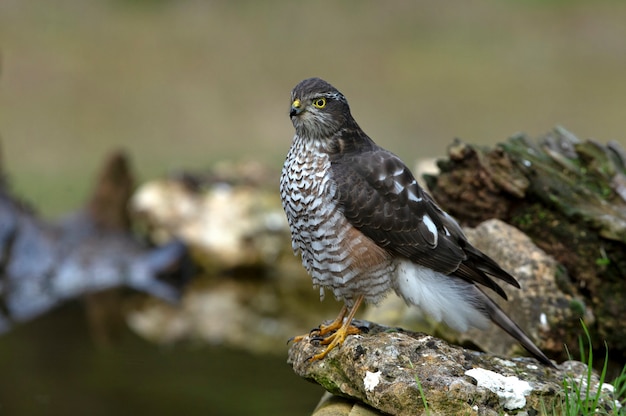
<point>315,334</point>
<point>334,340</point>
<point>314,330</point>
<point>338,330</point>
<point>297,338</point>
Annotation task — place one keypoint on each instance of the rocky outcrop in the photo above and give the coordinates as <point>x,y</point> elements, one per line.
<point>568,195</point>
<point>398,372</point>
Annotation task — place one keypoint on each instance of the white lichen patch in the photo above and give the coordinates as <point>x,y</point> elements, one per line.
<point>507,363</point>
<point>511,390</point>
<point>371,380</point>
<point>607,387</point>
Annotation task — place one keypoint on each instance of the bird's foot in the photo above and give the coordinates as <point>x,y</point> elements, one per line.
<point>322,330</point>
<point>331,335</point>
<point>338,329</point>
<point>318,334</point>
<point>336,339</point>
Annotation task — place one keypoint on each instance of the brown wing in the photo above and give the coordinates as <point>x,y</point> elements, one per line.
<point>381,198</point>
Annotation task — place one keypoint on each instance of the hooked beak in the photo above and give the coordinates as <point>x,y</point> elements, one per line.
<point>296,108</point>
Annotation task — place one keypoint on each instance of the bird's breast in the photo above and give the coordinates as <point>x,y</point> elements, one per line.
<point>335,254</point>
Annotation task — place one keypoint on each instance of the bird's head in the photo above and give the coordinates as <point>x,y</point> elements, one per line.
<point>318,110</point>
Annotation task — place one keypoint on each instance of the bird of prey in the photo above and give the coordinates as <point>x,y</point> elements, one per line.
<point>365,227</point>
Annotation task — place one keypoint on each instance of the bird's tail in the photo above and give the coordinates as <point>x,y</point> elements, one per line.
<point>497,315</point>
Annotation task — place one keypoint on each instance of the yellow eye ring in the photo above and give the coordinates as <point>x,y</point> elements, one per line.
<point>319,102</point>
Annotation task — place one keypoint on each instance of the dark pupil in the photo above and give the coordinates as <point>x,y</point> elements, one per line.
<point>320,102</point>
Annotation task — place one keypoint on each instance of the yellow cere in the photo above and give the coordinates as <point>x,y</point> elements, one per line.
<point>296,103</point>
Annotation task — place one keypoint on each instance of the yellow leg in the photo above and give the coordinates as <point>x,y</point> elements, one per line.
<point>339,336</point>
<point>333,326</point>
<point>324,329</point>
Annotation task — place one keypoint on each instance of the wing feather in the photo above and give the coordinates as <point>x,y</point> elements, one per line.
<point>381,198</point>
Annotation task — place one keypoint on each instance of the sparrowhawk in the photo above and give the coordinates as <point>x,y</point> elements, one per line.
<point>365,227</point>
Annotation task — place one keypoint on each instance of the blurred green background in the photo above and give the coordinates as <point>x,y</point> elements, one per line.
<point>183,84</point>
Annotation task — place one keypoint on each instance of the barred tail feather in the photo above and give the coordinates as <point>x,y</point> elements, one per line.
<point>497,315</point>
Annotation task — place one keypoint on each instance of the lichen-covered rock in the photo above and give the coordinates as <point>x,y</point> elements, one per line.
<point>403,373</point>
<point>568,195</point>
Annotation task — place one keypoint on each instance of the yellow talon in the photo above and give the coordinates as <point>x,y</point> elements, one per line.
<point>336,340</point>
<point>341,327</point>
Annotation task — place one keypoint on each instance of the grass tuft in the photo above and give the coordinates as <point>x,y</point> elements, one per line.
<point>585,402</point>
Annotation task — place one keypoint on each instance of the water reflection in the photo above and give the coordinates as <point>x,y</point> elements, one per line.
<point>51,367</point>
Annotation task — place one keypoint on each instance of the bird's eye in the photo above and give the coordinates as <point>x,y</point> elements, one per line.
<point>319,102</point>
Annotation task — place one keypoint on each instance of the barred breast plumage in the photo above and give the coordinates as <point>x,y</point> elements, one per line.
<point>334,253</point>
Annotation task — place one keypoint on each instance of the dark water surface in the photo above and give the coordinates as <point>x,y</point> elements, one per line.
<point>51,366</point>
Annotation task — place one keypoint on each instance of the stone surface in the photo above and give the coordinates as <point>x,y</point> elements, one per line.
<point>396,372</point>
<point>331,405</point>
<point>567,195</point>
<point>540,307</point>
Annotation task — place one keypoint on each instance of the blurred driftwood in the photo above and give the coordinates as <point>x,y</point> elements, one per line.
<point>88,253</point>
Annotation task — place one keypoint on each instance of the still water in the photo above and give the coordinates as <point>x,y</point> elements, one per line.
<point>51,366</point>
